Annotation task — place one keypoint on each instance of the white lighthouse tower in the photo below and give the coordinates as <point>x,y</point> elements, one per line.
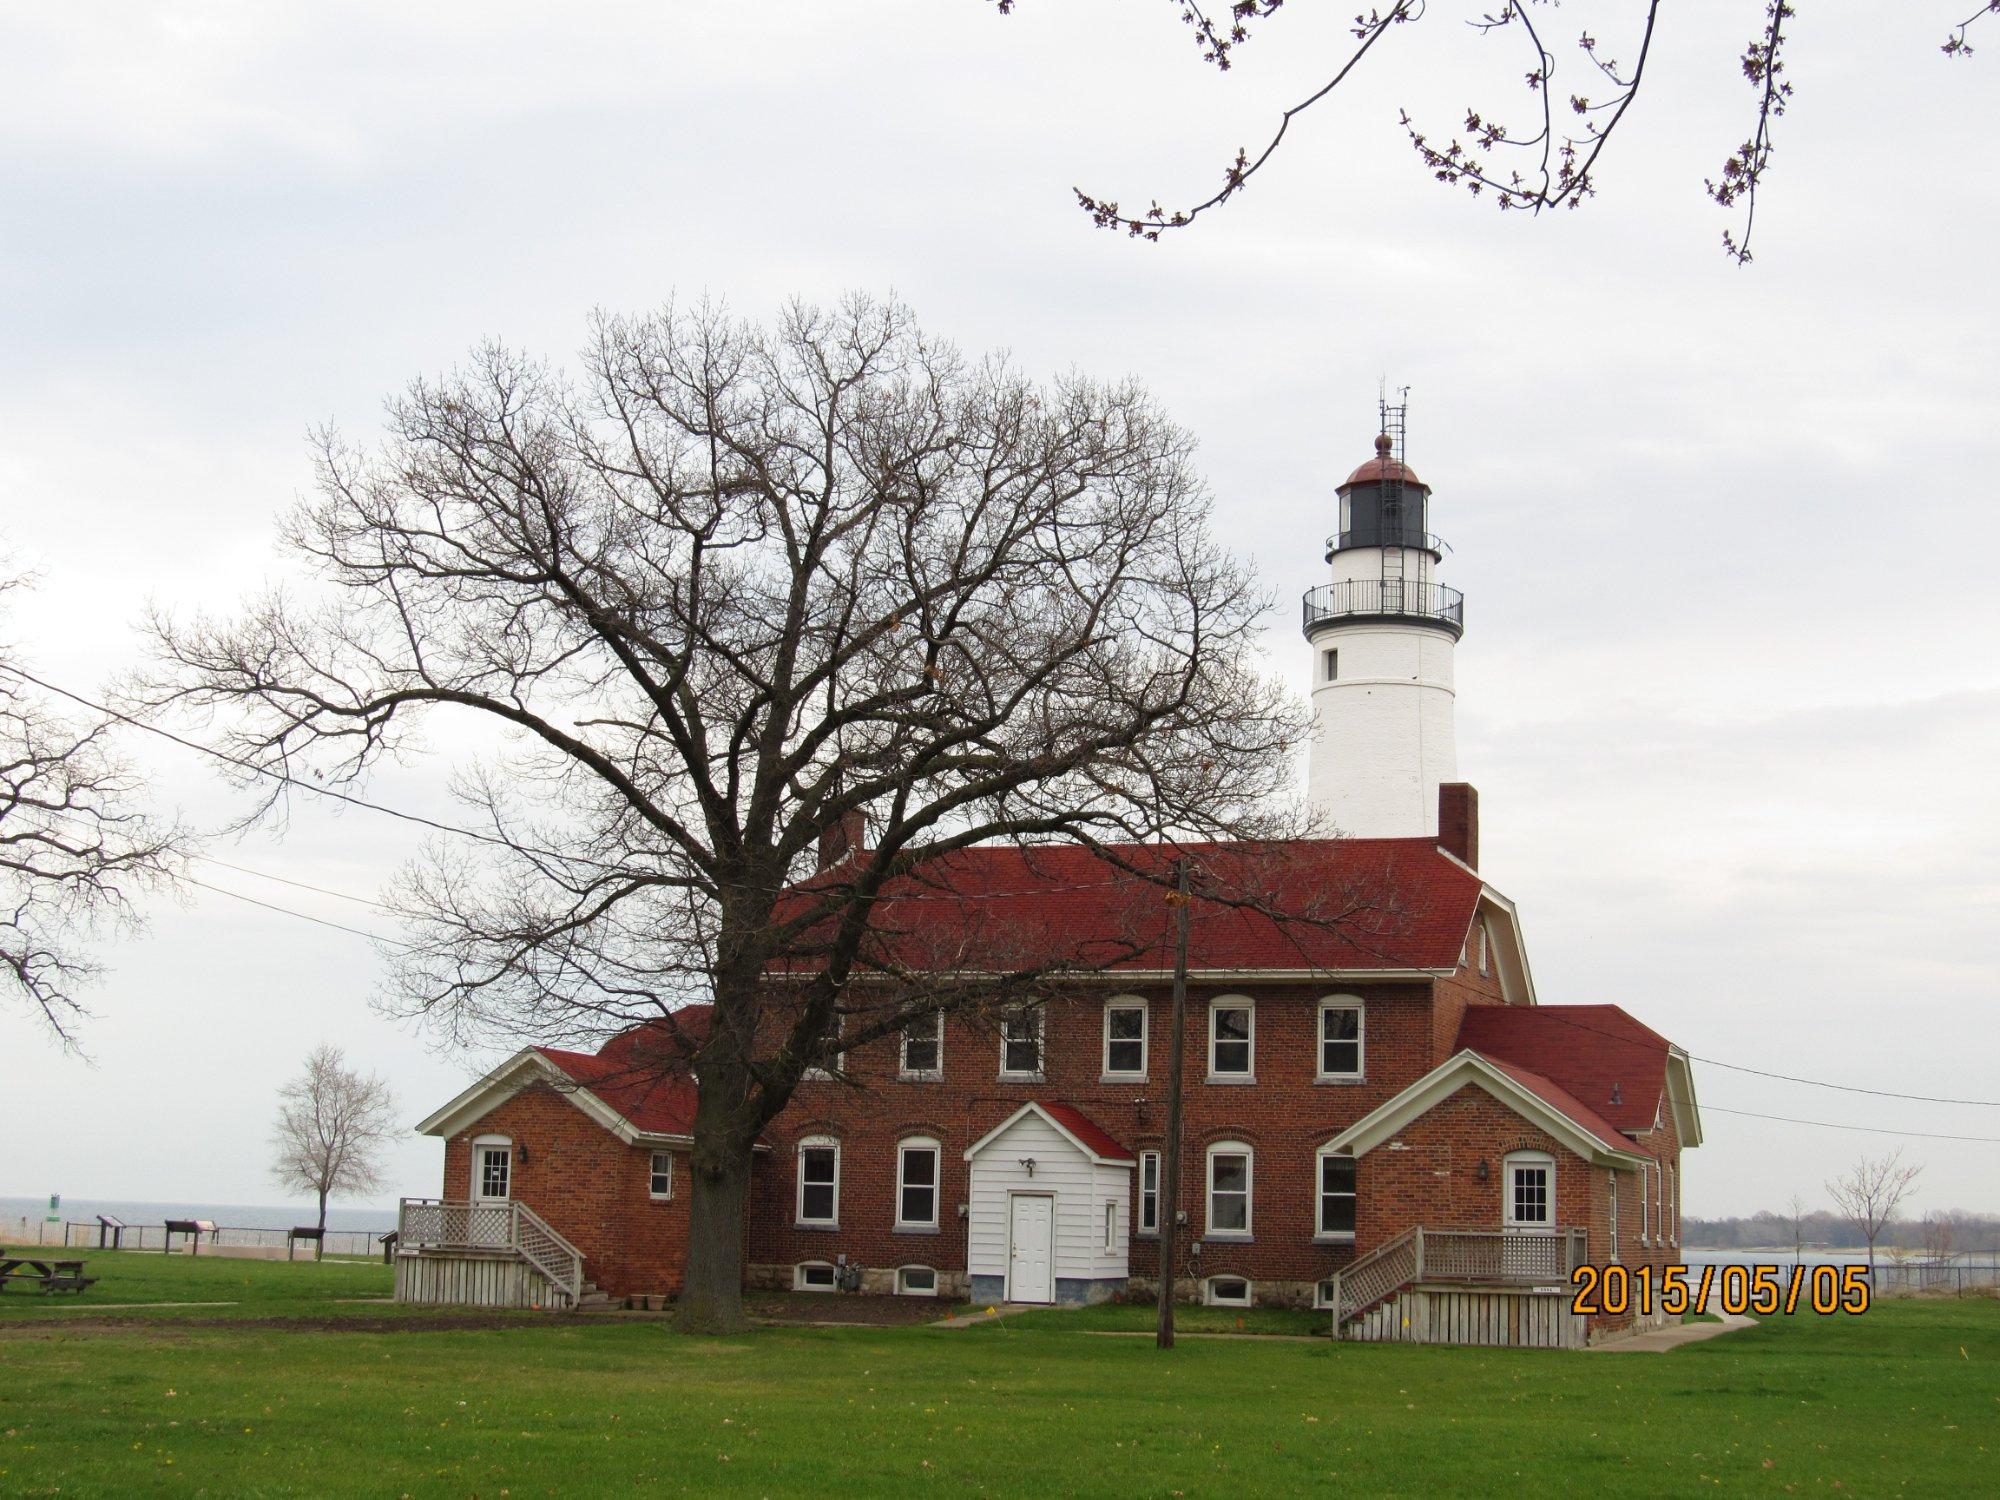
<point>1382,634</point>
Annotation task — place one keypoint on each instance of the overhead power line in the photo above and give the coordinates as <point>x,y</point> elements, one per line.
<point>1922,1135</point>
<point>488,838</point>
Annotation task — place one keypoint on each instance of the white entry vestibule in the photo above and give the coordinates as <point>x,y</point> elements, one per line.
<point>1050,1198</point>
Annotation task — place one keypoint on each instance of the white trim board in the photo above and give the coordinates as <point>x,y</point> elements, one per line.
<point>1446,1079</point>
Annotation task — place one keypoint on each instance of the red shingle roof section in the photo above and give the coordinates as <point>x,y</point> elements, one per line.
<point>1566,1104</point>
<point>1087,1130</point>
<point>1323,904</point>
<point>641,1073</point>
<point>1601,1056</point>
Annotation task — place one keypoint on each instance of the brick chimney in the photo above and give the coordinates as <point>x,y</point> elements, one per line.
<point>1458,820</point>
<point>843,838</point>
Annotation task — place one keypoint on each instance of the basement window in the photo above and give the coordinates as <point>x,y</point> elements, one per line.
<point>916,1281</point>
<point>1323,1293</point>
<point>1226,1291</point>
<point>813,1276</point>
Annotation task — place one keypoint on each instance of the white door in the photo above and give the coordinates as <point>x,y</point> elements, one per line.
<point>490,1216</point>
<point>1529,1217</point>
<point>1030,1248</point>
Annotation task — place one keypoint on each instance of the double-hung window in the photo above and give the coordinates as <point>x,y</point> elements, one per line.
<point>819,1180</point>
<point>830,1058</point>
<point>660,1175</point>
<point>923,1047</point>
<point>917,1184</point>
<point>1529,1180</point>
<point>1336,1195</point>
<point>1340,1039</point>
<point>1149,1192</point>
<point>1229,1172</point>
<point>1021,1043</point>
<point>1125,1039</point>
<point>1232,1030</point>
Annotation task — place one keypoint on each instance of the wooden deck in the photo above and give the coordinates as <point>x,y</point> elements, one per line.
<point>489,1254</point>
<point>1454,1286</point>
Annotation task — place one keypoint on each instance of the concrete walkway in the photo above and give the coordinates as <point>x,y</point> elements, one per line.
<point>1659,1340</point>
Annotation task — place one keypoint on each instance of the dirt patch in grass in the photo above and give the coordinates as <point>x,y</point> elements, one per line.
<point>846,1307</point>
<point>70,1328</point>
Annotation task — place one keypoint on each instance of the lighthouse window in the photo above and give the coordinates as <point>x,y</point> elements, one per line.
<point>1329,665</point>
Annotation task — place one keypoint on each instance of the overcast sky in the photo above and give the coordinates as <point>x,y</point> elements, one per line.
<point>1728,686</point>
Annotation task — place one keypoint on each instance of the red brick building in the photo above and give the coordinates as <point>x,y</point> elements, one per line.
<point>1379,1115</point>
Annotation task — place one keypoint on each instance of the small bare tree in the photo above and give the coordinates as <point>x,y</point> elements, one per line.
<point>332,1125</point>
<point>1871,1192</point>
<point>776,622</point>
<point>75,847</point>
<point>1938,1236</point>
<point>1796,1213</point>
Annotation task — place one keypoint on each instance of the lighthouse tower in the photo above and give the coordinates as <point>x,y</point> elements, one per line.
<point>1382,634</point>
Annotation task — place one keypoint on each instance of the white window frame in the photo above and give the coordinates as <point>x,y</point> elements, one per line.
<point>1645,1203</point>
<point>1674,1204</point>
<point>1128,1075</point>
<point>1611,1209</point>
<point>903,1149</point>
<point>1360,1009</point>
<point>1249,1007</point>
<point>903,1068</point>
<point>1485,958</point>
<point>815,1142</point>
<point>1230,1148</point>
<point>903,1287</point>
<point>1110,1226</point>
<point>1323,1294</point>
<point>480,1146</point>
<point>1329,663</point>
<point>1041,1015</point>
<point>1210,1299</point>
<point>816,1073</point>
<point>1321,1233</point>
<point>1515,1159</point>
<point>800,1284</point>
<point>1146,1158</point>
<point>654,1174</point>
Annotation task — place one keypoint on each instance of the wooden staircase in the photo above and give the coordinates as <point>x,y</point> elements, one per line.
<point>1472,1260</point>
<point>491,1253</point>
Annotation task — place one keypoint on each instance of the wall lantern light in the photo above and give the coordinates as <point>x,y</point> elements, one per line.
<point>1029,1163</point>
<point>1483,1171</point>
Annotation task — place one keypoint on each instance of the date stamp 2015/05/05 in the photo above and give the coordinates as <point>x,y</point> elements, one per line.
<point>1763,1291</point>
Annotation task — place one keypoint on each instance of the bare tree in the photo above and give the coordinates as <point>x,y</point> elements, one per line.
<point>1939,1233</point>
<point>1552,160</point>
<point>1871,1192</point>
<point>75,847</point>
<point>1797,1215</point>
<point>740,598</point>
<point>332,1125</point>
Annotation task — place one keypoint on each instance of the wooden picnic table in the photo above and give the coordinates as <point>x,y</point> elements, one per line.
<point>45,1275</point>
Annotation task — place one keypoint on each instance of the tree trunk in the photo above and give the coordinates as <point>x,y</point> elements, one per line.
<point>322,1215</point>
<point>711,1299</point>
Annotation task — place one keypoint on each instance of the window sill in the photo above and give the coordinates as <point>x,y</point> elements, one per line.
<point>1231,1078</point>
<point>1341,1080</point>
<point>917,1229</point>
<point>1123,1078</point>
<point>659,1197</point>
<point>1229,1237</point>
<point>932,1075</point>
<point>1336,1238</point>
<point>1022,1078</point>
<point>814,1225</point>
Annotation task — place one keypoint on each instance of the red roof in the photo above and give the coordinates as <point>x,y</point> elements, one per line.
<point>1566,1104</point>
<point>1085,1129</point>
<point>641,1073</point>
<point>1382,467</point>
<point>1612,1064</point>
<point>1322,904</point>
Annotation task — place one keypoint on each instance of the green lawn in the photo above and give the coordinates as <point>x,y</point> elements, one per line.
<point>1905,1400</point>
<point>220,1287</point>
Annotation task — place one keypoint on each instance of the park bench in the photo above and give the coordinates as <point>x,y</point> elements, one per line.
<point>45,1275</point>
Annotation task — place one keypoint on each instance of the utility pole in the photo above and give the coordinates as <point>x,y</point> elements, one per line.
<point>1170,1150</point>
